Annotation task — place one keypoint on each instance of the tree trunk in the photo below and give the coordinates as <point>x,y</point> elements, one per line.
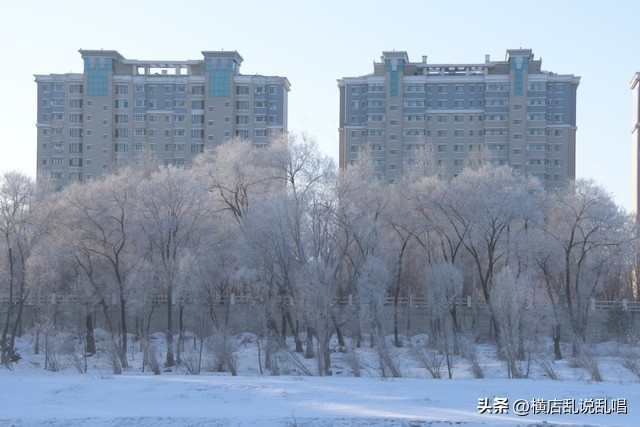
<point>455,324</point>
<point>283,327</point>
<point>123,325</point>
<point>310,352</point>
<point>326,355</point>
<point>4,347</point>
<point>557,351</point>
<point>341,342</point>
<point>170,361</point>
<point>91,341</point>
<point>107,316</point>
<point>180,334</point>
<point>294,332</point>
<point>13,356</point>
<point>521,352</point>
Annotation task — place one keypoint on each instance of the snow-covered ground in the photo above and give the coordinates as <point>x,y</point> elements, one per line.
<point>31,396</point>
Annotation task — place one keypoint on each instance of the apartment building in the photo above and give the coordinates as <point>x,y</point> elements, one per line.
<point>635,145</point>
<point>121,112</point>
<point>507,112</point>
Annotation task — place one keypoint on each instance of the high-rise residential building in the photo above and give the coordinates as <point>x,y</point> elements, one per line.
<point>122,112</point>
<point>635,145</point>
<point>507,112</point>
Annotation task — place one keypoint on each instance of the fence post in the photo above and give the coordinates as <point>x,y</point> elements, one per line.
<point>53,298</point>
<point>232,299</point>
<point>350,299</point>
<point>625,304</point>
<point>469,305</point>
<point>593,303</point>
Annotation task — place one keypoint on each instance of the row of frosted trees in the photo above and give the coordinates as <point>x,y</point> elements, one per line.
<point>282,225</point>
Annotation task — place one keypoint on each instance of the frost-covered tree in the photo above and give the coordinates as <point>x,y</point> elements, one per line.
<point>17,230</point>
<point>489,208</point>
<point>172,213</point>
<point>101,229</point>
<point>585,230</point>
<point>361,214</point>
<point>443,288</point>
<point>512,295</point>
<point>236,173</point>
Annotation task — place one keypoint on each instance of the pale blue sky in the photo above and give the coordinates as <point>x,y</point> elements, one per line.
<point>315,43</point>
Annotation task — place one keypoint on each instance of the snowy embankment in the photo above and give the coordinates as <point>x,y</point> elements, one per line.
<point>34,397</point>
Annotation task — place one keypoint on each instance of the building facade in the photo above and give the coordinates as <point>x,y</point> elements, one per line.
<point>507,112</point>
<point>122,112</point>
<point>635,144</point>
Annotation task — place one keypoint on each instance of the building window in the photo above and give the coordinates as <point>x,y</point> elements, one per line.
<point>242,90</point>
